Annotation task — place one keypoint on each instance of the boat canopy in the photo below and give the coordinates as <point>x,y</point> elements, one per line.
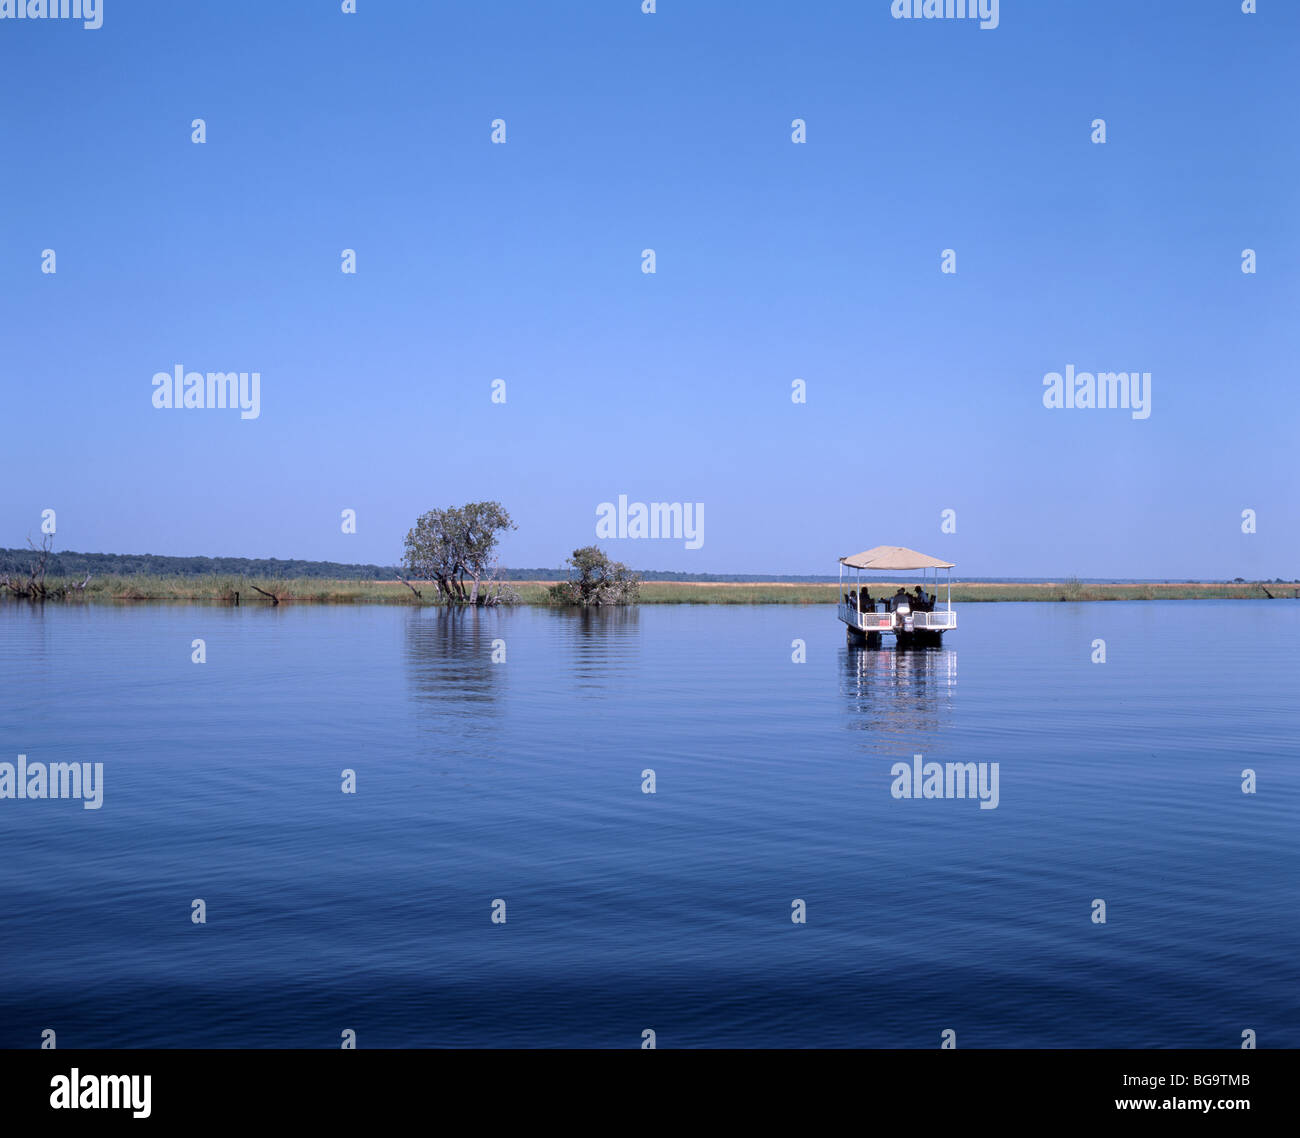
<point>886,557</point>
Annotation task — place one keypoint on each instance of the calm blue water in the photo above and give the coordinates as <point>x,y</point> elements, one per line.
<point>625,911</point>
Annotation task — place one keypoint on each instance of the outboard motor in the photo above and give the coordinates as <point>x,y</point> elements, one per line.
<point>904,611</point>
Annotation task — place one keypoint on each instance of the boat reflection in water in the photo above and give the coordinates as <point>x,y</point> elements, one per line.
<point>899,693</point>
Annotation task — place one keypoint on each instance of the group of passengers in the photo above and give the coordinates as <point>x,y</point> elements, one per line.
<point>916,600</point>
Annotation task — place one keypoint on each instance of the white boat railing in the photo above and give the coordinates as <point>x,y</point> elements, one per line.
<point>889,622</point>
<point>943,619</point>
<point>866,621</point>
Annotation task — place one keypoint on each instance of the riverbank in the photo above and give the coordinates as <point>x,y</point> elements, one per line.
<point>236,590</point>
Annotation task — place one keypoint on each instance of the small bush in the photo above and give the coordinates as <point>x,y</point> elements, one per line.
<point>596,581</point>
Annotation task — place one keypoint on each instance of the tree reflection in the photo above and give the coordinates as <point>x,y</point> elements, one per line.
<point>449,656</point>
<point>604,642</point>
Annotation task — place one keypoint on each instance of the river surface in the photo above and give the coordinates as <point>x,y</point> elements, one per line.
<point>522,779</point>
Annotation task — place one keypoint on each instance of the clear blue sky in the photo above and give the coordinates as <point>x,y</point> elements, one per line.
<point>775,262</point>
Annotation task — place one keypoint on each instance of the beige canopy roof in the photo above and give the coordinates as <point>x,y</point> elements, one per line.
<point>893,557</point>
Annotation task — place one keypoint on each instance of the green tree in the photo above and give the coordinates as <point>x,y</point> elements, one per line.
<point>447,546</point>
<point>596,580</point>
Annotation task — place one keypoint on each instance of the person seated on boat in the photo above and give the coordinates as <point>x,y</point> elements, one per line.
<point>865,603</point>
<point>852,598</point>
<point>900,596</point>
<point>918,600</point>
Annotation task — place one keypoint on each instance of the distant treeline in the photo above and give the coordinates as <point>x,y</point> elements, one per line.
<point>158,565</point>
